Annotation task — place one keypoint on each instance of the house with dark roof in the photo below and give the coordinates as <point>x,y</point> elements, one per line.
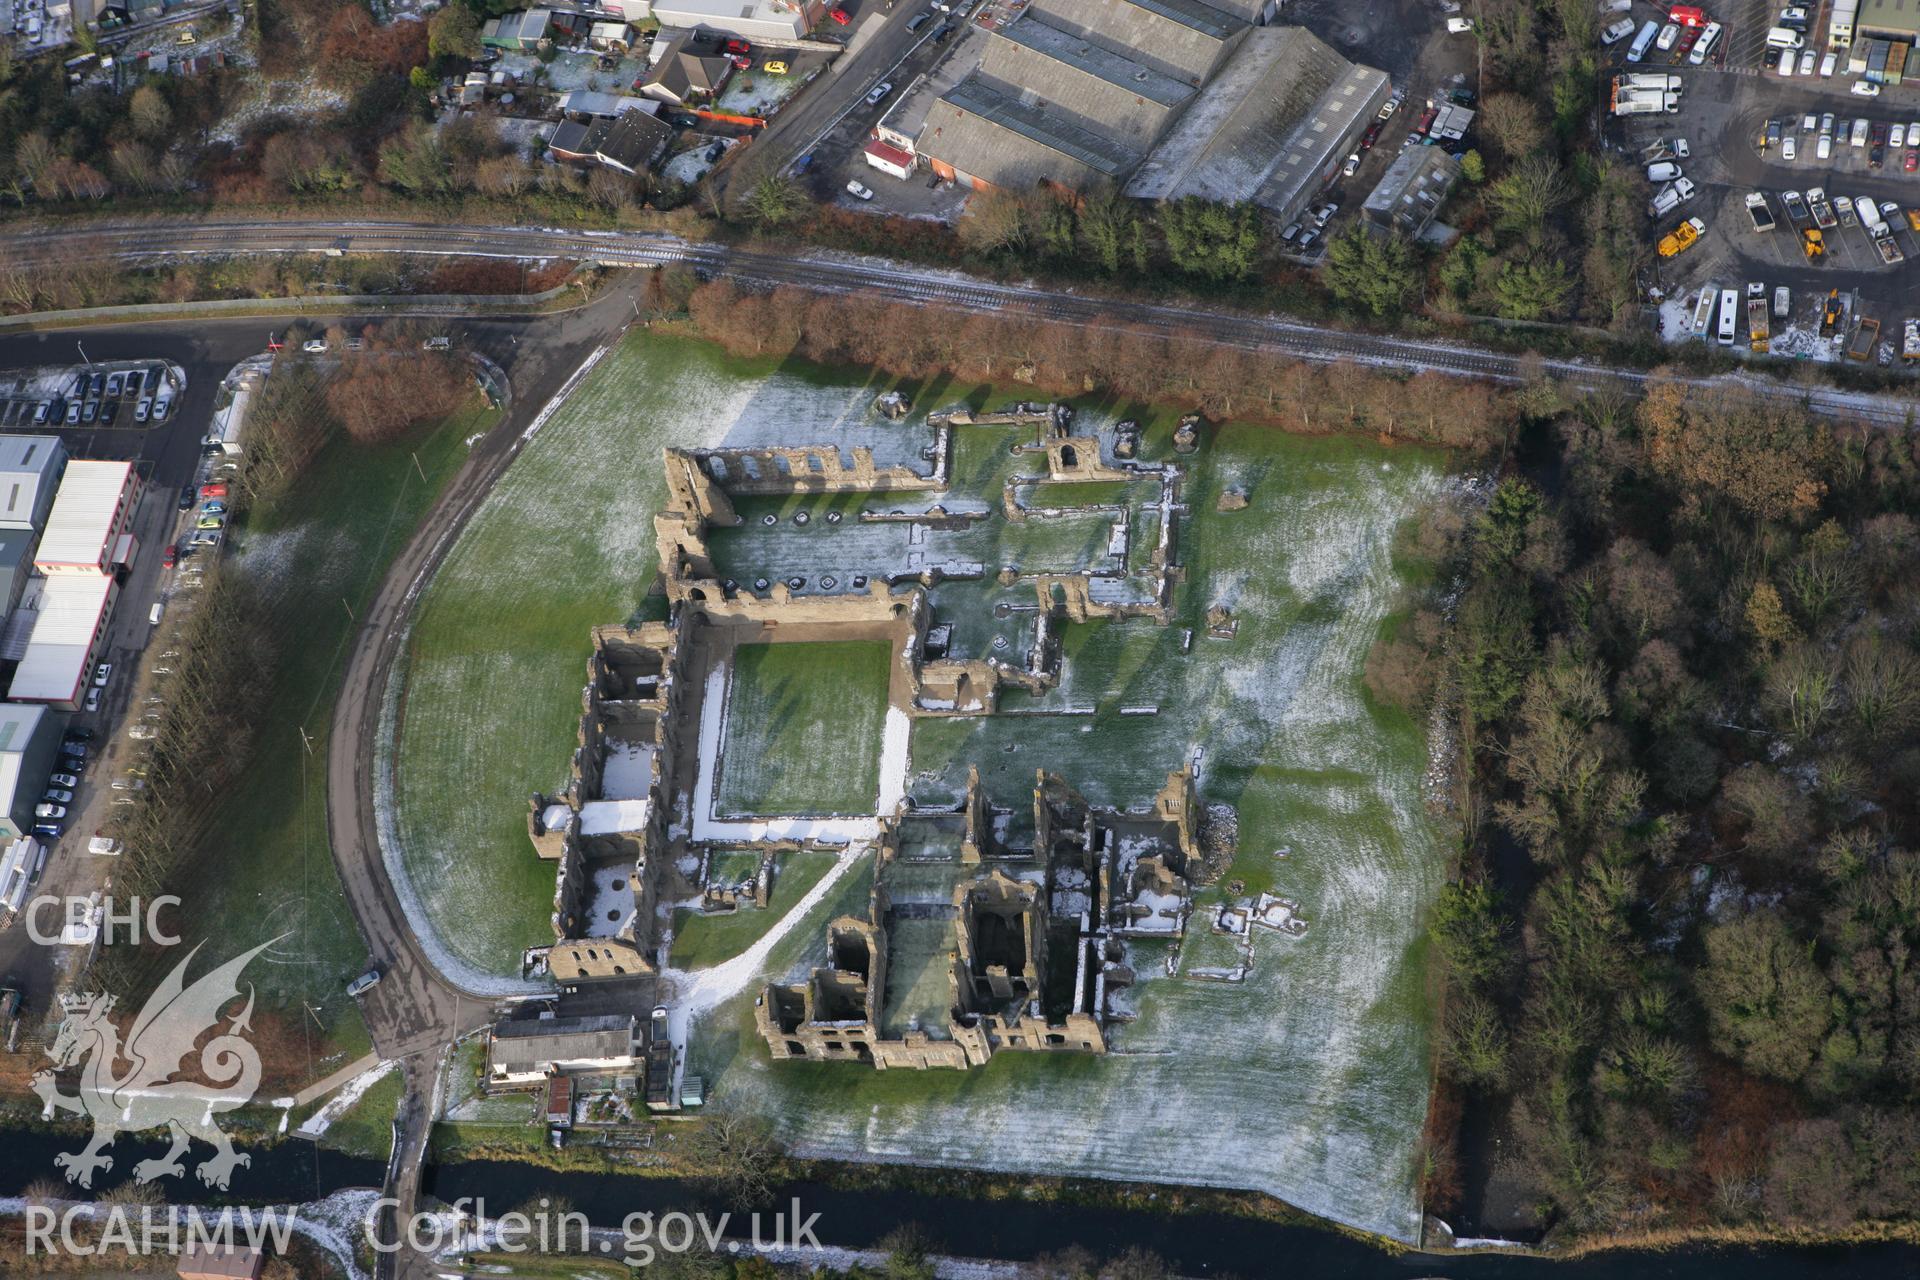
<point>682,76</point>
<point>629,142</point>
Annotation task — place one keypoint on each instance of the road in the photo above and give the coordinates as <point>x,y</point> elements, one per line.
<point>162,239</point>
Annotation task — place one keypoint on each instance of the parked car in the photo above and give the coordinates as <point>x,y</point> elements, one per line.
<point>186,498</point>
<point>840,16</point>
<point>102,674</point>
<point>1865,89</point>
<point>1324,214</point>
<point>49,830</point>
<point>71,764</point>
<point>210,522</point>
<point>365,982</point>
<point>1459,26</point>
<point>142,409</point>
<point>58,795</point>
<point>1306,241</point>
<point>1668,37</point>
<point>49,811</point>
<point>1788,148</point>
<point>114,382</point>
<point>1807,59</point>
<point>170,557</point>
<point>91,411</point>
<point>92,702</point>
<point>857,191</point>
<point>1617,32</point>
<point>941,32</point>
<point>879,91</point>
<point>314,346</point>
<point>104,845</point>
<point>214,507</point>
<point>213,489</point>
<point>734,44</point>
<point>64,780</point>
<point>774,67</point>
<point>1662,171</point>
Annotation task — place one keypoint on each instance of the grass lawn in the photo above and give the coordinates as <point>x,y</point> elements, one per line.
<point>367,1127</point>
<point>700,941</point>
<point>1308,1080</point>
<point>264,868</point>
<point>804,723</point>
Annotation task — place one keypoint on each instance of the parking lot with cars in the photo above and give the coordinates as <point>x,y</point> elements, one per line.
<point>1780,142</point>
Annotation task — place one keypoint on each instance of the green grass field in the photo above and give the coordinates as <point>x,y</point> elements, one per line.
<point>264,868</point>
<point>804,723</point>
<point>366,1130</point>
<point>700,941</point>
<point>1307,1080</point>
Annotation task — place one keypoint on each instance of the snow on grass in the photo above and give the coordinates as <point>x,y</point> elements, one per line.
<point>342,1102</point>
<point>1308,1079</point>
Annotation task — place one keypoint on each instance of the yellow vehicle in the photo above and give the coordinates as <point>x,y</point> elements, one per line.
<point>774,67</point>
<point>1682,237</point>
<point>1813,244</point>
<point>1913,219</point>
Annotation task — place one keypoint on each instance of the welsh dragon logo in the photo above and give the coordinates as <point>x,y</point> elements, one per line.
<point>146,1095</point>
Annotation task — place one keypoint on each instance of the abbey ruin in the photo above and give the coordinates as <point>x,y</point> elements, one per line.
<point>987,927</point>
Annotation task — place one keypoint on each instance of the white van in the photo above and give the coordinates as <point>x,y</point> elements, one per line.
<point>1785,38</point>
<point>154,614</point>
<point>1729,315</point>
<point>1643,41</point>
<point>1859,138</point>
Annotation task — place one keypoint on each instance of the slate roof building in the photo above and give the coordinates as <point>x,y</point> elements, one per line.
<point>629,142</point>
<point>1411,191</point>
<point>527,1050</point>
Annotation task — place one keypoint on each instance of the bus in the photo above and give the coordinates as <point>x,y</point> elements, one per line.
<point>1729,315</point>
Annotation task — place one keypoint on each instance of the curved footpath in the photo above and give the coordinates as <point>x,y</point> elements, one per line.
<point>161,239</point>
<point>416,1012</point>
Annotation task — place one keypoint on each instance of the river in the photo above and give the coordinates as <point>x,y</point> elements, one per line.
<point>1197,1244</point>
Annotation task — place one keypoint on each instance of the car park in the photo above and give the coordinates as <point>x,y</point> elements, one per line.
<point>91,412</point>
<point>213,489</point>
<point>1306,241</point>
<point>1897,136</point>
<point>1681,148</point>
<point>214,507</point>
<point>314,346</point>
<point>1877,157</point>
<point>72,764</point>
<point>1912,161</point>
<point>40,413</point>
<point>136,381</point>
<point>1824,148</point>
<point>162,403</point>
<point>734,44</point>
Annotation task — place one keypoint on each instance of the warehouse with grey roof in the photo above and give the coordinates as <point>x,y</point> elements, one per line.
<point>1164,98</point>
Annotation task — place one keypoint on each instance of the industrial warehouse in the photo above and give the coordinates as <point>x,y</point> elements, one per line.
<point>1164,98</point>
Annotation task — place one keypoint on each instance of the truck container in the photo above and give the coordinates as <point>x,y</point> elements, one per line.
<point>1865,338</point>
<point>1641,102</point>
<point>1757,330</point>
<point>1910,342</point>
<point>1661,81</point>
<point>1664,201</point>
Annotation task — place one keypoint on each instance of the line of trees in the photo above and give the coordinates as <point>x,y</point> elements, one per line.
<point>1117,357</point>
<point>1682,641</point>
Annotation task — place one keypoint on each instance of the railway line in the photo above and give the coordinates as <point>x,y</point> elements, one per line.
<point>161,240</point>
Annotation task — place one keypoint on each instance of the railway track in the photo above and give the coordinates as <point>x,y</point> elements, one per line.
<point>161,240</point>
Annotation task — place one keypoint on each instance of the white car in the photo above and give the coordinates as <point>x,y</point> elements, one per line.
<point>1865,89</point>
<point>1681,149</point>
<point>1787,147</point>
<point>1352,165</point>
<point>1662,171</point>
<point>1807,58</point>
<point>1897,137</point>
<point>1617,32</point>
<point>102,674</point>
<point>1824,148</point>
<point>857,191</point>
<point>93,700</point>
<point>314,346</point>
<point>879,91</point>
<point>1827,65</point>
<point>1668,37</point>
<point>105,846</point>
<point>1704,45</point>
<point>1459,26</point>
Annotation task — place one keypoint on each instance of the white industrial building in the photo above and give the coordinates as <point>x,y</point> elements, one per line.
<point>86,542</point>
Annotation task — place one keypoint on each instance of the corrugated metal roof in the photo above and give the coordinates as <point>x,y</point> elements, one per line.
<point>81,521</point>
<point>536,1043</point>
<point>1063,46</point>
<point>55,663</point>
<point>1083,145</point>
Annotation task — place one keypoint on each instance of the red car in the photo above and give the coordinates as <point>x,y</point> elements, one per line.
<point>171,558</point>
<point>735,45</point>
<point>1913,160</point>
<point>840,16</point>
<point>740,61</point>
<point>1427,118</point>
<point>1372,135</point>
<point>213,490</point>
